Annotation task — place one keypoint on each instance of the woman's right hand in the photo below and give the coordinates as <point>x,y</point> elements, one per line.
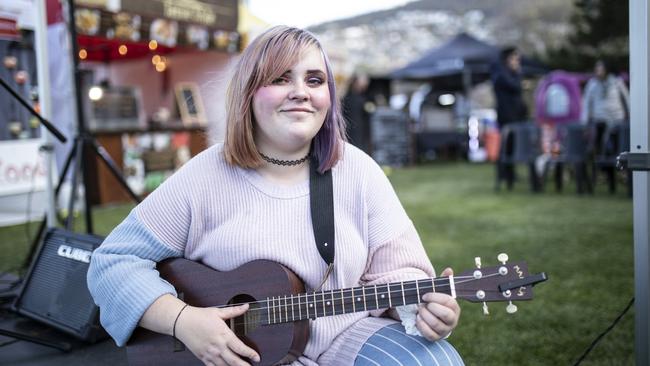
<point>205,333</point>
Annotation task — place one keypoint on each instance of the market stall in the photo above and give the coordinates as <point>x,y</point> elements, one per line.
<point>153,77</point>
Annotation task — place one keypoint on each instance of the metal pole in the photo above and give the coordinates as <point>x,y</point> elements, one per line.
<point>40,32</point>
<point>72,28</point>
<point>81,122</point>
<point>640,143</point>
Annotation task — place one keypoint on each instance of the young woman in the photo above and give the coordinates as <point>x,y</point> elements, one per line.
<point>248,199</point>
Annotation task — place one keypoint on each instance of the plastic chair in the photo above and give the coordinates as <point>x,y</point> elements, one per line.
<point>520,143</point>
<point>574,152</point>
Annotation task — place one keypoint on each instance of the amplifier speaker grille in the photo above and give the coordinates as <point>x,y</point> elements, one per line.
<point>55,290</point>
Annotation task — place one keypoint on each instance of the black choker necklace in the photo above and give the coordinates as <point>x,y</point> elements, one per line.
<point>285,162</point>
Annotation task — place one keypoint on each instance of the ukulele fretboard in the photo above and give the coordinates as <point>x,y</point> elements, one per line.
<point>312,305</point>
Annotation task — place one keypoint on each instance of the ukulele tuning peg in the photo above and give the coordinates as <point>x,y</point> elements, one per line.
<point>511,308</point>
<point>477,261</point>
<point>485,309</point>
<point>503,258</point>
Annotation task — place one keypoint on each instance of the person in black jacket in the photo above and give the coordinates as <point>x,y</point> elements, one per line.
<point>506,80</point>
<point>511,108</point>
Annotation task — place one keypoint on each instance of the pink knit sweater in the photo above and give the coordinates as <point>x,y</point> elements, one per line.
<point>225,216</point>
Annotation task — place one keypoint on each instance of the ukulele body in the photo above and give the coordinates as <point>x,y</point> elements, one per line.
<point>202,286</point>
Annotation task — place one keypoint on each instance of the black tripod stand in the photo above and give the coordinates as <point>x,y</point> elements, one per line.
<point>85,145</point>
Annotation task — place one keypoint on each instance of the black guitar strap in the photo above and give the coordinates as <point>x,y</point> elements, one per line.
<point>321,199</point>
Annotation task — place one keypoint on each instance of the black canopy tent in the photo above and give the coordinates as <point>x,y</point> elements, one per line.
<point>459,63</point>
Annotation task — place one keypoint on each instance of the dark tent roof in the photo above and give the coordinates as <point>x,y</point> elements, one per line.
<point>450,58</point>
<point>461,53</point>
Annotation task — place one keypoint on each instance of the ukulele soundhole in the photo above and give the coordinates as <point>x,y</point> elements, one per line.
<point>249,321</point>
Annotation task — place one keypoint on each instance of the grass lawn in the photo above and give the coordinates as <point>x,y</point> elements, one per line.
<point>584,244</point>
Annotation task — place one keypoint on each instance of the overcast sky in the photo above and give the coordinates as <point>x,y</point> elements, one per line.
<point>303,13</point>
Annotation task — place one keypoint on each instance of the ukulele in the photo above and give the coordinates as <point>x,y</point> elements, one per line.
<point>277,326</point>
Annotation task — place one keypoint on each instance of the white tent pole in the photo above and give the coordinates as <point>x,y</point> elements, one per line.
<point>640,144</point>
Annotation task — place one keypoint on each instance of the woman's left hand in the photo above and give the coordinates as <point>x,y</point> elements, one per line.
<point>438,314</point>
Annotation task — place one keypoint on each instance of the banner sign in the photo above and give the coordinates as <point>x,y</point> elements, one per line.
<point>190,23</point>
<point>22,168</point>
<point>220,14</point>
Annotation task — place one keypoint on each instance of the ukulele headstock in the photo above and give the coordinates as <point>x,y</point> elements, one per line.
<point>507,282</point>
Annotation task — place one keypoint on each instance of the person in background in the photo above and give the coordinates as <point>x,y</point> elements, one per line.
<point>511,108</point>
<point>506,81</point>
<point>249,199</point>
<point>605,105</point>
<point>355,113</point>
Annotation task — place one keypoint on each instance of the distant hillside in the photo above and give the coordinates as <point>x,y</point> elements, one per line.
<point>383,40</point>
<point>488,7</point>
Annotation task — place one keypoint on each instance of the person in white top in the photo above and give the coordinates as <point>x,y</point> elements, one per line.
<point>605,103</point>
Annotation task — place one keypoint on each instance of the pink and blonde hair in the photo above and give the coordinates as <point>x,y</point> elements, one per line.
<point>269,56</point>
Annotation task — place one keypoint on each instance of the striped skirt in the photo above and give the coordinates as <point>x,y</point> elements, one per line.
<point>392,346</point>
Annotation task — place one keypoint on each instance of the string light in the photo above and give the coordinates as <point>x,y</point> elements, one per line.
<point>122,50</point>
<point>160,62</point>
<point>153,44</point>
<point>83,54</point>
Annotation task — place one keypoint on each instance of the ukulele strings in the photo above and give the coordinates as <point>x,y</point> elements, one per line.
<point>464,279</point>
<point>320,301</point>
<point>238,322</point>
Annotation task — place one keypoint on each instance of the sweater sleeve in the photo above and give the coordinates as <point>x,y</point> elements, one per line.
<point>395,250</point>
<point>122,278</point>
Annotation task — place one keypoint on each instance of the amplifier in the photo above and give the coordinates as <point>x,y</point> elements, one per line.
<point>54,290</point>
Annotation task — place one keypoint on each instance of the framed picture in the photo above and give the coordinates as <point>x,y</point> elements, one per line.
<point>190,104</point>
